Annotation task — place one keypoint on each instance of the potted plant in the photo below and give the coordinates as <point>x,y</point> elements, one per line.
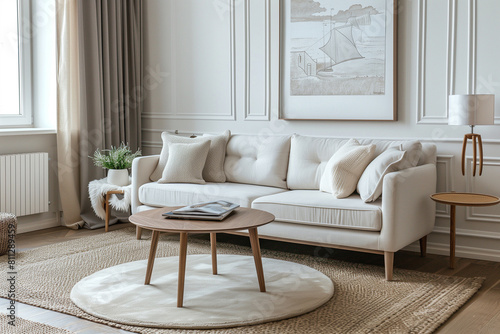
<point>117,160</point>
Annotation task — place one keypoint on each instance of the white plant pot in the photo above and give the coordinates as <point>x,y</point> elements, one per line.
<point>118,177</point>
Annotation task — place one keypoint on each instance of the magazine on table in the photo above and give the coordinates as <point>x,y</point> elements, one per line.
<point>216,210</point>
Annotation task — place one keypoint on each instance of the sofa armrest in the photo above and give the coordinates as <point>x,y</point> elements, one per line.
<point>142,167</point>
<point>408,212</point>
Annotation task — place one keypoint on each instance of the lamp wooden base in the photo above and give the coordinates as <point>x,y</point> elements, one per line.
<point>477,144</point>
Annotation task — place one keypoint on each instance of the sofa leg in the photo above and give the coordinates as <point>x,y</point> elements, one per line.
<point>423,246</point>
<point>389,264</point>
<point>138,232</point>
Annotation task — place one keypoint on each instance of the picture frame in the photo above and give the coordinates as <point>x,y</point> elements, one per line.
<point>338,60</point>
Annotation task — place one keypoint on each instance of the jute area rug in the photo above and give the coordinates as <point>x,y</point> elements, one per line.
<point>23,326</point>
<point>363,301</point>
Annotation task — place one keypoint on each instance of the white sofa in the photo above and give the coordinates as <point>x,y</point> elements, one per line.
<point>281,175</point>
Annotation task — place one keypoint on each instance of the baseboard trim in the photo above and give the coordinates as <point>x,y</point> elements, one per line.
<point>460,232</point>
<point>38,224</point>
<point>460,251</point>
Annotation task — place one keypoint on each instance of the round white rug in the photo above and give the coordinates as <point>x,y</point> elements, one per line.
<point>231,298</point>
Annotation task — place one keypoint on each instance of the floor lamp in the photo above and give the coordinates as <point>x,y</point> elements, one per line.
<point>472,109</point>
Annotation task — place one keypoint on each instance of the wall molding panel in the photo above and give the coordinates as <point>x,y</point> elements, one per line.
<point>422,116</point>
<point>447,161</point>
<point>473,213</point>
<point>452,49</point>
<point>232,6</point>
<point>175,113</point>
<point>421,37</point>
<point>257,111</point>
<point>151,144</point>
<point>472,48</point>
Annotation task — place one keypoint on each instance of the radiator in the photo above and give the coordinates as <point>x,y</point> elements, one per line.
<point>24,183</point>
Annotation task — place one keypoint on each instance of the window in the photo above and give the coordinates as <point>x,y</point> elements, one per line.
<point>15,64</point>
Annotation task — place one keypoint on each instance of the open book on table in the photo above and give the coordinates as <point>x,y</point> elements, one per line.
<point>216,210</point>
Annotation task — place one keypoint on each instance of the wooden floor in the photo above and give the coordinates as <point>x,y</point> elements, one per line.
<point>480,315</point>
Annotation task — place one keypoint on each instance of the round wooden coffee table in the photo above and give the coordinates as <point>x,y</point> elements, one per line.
<point>240,219</point>
<point>461,199</point>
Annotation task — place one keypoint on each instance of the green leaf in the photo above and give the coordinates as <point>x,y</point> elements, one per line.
<point>115,158</point>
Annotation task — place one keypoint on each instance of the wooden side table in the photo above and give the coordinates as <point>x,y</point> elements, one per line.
<point>107,207</point>
<point>100,193</point>
<point>462,199</point>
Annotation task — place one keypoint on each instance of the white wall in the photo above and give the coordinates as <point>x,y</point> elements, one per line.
<point>214,65</point>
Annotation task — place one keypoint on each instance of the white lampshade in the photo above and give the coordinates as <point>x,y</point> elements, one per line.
<point>474,109</point>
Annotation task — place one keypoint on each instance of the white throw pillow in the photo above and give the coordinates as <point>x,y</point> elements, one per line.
<point>185,163</point>
<point>215,160</point>
<point>344,168</point>
<point>371,181</point>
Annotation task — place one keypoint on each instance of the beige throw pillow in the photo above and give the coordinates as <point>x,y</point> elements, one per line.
<point>214,166</point>
<point>344,168</point>
<point>185,163</point>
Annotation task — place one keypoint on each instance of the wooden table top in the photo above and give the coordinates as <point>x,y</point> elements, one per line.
<point>465,199</point>
<point>239,219</point>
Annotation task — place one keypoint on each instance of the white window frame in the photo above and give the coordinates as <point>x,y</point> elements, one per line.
<point>25,118</point>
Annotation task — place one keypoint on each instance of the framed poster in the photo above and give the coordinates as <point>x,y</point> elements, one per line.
<point>338,60</point>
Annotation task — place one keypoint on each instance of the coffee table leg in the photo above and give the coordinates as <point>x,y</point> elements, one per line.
<point>152,254</point>
<point>213,244</point>
<point>182,269</point>
<point>254,241</point>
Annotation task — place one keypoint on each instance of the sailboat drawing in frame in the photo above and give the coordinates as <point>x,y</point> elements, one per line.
<point>338,59</point>
<point>341,46</point>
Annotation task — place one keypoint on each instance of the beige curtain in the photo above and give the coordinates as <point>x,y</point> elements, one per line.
<point>99,93</point>
<point>68,112</point>
<point>110,36</point>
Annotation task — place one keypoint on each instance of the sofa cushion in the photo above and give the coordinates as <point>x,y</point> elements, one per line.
<point>308,159</point>
<point>259,160</point>
<point>313,207</point>
<point>177,194</point>
<point>309,155</point>
<point>345,167</point>
<point>185,163</point>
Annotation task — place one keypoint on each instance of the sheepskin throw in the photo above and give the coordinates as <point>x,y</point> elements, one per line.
<point>97,194</point>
